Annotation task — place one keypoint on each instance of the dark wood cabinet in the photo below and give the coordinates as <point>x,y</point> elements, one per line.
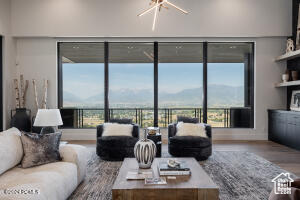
<point>284,127</point>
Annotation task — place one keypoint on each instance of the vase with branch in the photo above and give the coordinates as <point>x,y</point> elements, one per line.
<point>21,118</point>
<point>38,105</point>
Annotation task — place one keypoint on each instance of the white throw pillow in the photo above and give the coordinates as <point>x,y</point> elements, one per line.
<point>11,149</point>
<point>190,129</point>
<point>114,129</point>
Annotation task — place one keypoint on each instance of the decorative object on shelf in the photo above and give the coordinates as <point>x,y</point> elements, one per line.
<point>298,32</point>
<point>286,76</point>
<point>49,119</point>
<point>295,101</point>
<point>153,130</point>
<point>21,118</point>
<point>144,152</point>
<point>158,5</point>
<point>289,46</point>
<point>294,75</point>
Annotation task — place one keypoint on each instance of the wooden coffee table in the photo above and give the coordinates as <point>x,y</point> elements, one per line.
<point>197,186</point>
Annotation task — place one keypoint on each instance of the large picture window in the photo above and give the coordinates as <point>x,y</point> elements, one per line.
<point>180,82</point>
<point>82,84</point>
<point>229,85</point>
<point>131,82</point>
<point>153,83</point>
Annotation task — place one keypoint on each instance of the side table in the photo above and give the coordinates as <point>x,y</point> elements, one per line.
<point>156,138</point>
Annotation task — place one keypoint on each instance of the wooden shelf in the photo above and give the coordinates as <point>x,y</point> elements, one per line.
<point>288,56</point>
<point>289,83</point>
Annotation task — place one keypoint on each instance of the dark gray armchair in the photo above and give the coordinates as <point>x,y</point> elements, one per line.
<point>116,148</point>
<point>189,146</point>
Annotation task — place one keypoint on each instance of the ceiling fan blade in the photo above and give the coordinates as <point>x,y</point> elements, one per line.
<point>180,9</point>
<point>165,7</point>
<point>155,15</point>
<point>149,9</point>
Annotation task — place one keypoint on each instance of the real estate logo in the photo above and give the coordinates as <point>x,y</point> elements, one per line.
<point>282,183</point>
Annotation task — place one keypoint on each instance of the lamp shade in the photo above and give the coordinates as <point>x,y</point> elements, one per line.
<point>48,117</point>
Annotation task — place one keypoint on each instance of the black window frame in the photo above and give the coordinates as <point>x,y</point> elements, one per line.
<point>250,95</point>
<point>1,81</point>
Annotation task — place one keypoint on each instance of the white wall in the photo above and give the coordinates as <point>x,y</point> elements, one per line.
<point>38,24</point>
<point>8,59</point>
<point>37,59</point>
<point>118,18</point>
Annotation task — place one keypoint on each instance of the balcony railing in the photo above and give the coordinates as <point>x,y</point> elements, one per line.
<point>91,117</point>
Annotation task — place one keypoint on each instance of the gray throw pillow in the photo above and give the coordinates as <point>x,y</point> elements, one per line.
<point>121,121</point>
<point>40,149</point>
<point>187,119</point>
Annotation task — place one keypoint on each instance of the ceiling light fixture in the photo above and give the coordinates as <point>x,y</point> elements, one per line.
<point>158,5</point>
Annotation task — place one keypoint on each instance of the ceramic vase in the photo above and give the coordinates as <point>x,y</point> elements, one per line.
<point>295,75</point>
<point>144,152</point>
<point>21,120</point>
<point>285,77</point>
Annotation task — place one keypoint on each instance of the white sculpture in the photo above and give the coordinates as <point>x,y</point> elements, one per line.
<point>289,46</point>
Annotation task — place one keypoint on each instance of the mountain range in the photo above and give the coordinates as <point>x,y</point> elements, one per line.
<point>218,96</point>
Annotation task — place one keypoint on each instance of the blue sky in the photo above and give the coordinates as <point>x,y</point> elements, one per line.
<point>85,80</point>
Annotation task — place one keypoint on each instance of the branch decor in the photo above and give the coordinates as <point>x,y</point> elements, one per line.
<point>20,92</point>
<point>45,96</point>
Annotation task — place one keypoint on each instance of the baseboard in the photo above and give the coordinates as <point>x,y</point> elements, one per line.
<point>78,134</point>
<point>251,136</point>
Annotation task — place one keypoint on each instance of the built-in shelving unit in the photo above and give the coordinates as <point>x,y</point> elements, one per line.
<point>285,57</point>
<point>288,56</point>
<point>286,84</point>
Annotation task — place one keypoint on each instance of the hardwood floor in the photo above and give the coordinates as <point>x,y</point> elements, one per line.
<point>285,157</point>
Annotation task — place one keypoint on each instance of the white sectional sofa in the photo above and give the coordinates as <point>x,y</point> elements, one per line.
<point>53,181</point>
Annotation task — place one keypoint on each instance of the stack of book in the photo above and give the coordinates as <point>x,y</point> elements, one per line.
<point>165,170</point>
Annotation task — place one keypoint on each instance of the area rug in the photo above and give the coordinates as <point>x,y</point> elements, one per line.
<point>239,175</point>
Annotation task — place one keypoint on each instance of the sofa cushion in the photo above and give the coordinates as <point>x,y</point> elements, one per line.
<point>114,129</point>
<point>187,119</point>
<point>116,141</point>
<point>190,129</point>
<point>77,154</point>
<point>11,150</point>
<point>11,131</point>
<point>51,181</point>
<point>189,141</point>
<point>40,149</point>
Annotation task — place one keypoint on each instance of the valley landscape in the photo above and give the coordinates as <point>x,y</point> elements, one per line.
<point>138,105</point>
